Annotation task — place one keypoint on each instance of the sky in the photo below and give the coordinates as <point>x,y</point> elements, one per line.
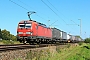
<point>62,14</point>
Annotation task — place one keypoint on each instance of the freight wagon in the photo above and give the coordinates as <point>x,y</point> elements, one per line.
<point>56,35</point>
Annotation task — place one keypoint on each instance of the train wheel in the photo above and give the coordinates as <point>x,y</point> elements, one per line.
<point>24,41</point>
<point>37,41</point>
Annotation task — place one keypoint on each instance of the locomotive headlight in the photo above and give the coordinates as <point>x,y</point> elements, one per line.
<point>31,33</point>
<point>20,32</point>
<point>28,32</point>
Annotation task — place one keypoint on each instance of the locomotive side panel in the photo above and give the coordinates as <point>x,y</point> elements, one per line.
<point>40,31</point>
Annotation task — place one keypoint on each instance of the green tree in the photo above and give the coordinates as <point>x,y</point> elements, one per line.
<point>5,34</point>
<point>87,40</point>
<point>12,37</point>
<point>0,34</point>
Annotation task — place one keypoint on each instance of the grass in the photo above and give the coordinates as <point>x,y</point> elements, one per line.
<point>79,52</point>
<point>70,52</point>
<point>8,42</point>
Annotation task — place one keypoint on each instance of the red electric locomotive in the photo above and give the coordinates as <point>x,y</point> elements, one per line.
<point>33,32</point>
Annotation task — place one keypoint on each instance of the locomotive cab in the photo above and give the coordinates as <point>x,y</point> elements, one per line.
<point>24,31</point>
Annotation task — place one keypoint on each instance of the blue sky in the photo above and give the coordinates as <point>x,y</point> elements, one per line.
<point>66,10</point>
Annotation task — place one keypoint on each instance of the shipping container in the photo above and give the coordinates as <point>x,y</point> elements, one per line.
<point>72,38</point>
<point>56,33</point>
<point>68,36</point>
<point>64,35</point>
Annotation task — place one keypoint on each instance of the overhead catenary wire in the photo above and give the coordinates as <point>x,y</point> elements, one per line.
<point>18,5</point>
<point>25,4</point>
<point>33,8</point>
<point>54,22</point>
<point>52,6</point>
<point>55,8</point>
<point>53,11</point>
<point>23,7</point>
<point>60,12</point>
<point>75,22</point>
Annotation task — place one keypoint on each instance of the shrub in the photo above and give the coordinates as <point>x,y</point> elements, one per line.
<point>68,45</point>
<point>80,43</point>
<point>7,42</point>
<point>58,49</point>
<point>87,40</point>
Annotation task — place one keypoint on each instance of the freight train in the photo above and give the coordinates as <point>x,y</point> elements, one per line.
<point>30,31</point>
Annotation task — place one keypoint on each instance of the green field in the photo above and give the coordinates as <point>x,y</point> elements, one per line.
<point>70,52</point>
<point>74,53</point>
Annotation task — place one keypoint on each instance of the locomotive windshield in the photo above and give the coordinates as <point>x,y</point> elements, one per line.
<point>21,25</point>
<point>28,26</point>
<point>24,25</point>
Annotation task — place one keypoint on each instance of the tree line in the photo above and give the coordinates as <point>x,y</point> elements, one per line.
<point>5,35</point>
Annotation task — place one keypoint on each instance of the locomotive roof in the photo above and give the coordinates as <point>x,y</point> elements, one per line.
<point>24,21</point>
<point>28,21</point>
<point>55,28</point>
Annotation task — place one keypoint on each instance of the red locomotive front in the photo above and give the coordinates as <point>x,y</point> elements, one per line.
<point>33,32</point>
<point>25,31</point>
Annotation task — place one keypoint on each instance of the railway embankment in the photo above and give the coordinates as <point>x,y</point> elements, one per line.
<point>30,53</point>
<point>60,52</point>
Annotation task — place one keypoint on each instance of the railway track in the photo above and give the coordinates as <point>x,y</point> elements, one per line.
<point>24,46</point>
<point>21,46</point>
